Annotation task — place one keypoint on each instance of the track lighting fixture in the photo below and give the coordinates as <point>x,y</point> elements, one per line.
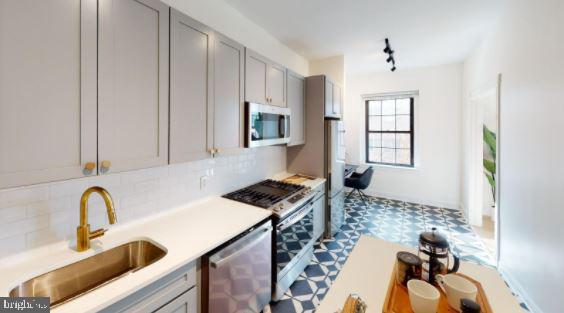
<point>390,53</point>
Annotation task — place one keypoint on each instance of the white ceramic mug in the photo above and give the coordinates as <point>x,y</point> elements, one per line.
<point>456,287</point>
<point>424,297</point>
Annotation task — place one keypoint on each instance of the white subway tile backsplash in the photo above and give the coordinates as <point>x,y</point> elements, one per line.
<point>48,206</point>
<point>42,214</point>
<point>24,195</point>
<point>23,226</point>
<point>11,245</point>
<point>11,214</point>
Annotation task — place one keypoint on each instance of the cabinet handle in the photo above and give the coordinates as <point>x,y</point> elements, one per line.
<point>89,166</point>
<point>106,164</point>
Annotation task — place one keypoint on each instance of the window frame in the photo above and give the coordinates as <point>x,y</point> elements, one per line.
<point>411,132</point>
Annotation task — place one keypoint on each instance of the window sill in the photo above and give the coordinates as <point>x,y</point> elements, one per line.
<point>375,165</point>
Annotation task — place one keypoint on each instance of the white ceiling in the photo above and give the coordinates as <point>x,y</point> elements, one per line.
<point>422,32</point>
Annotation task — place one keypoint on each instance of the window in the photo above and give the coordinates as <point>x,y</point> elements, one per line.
<point>389,130</point>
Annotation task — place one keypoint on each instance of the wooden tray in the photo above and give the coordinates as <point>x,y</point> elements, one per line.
<point>397,298</point>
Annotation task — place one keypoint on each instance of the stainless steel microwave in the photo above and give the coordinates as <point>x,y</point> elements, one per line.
<point>266,125</point>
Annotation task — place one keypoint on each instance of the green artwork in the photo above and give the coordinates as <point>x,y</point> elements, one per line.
<point>489,161</point>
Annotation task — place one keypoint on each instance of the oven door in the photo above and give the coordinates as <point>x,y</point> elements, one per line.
<point>294,237</point>
<point>266,125</point>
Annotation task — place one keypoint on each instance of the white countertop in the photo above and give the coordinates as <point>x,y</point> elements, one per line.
<point>368,270</point>
<point>186,233</point>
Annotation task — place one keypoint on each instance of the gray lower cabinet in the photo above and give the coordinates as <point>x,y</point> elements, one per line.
<point>228,109</point>
<point>176,292</point>
<point>296,102</point>
<point>185,303</point>
<point>191,89</point>
<point>265,80</point>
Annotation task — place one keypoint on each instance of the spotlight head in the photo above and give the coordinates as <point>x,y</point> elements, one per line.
<point>389,59</point>
<point>393,69</point>
<point>387,50</point>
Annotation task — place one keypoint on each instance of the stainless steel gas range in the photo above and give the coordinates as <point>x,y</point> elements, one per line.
<point>292,208</point>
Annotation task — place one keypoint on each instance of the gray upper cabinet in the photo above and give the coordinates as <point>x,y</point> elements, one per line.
<point>296,103</point>
<point>229,62</point>
<point>265,80</point>
<point>191,89</point>
<point>337,100</point>
<point>256,68</point>
<point>328,97</point>
<point>333,99</point>
<point>132,84</point>
<point>47,91</point>
<point>276,84</point>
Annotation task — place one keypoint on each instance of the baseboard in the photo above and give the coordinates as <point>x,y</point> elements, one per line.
<point>462,209</point>
<point>518,288</point>
<point>440,204</point>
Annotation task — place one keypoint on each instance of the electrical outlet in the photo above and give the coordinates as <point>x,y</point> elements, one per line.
<point>203,182</point>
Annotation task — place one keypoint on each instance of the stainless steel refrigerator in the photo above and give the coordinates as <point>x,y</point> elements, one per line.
<point>322,155</point>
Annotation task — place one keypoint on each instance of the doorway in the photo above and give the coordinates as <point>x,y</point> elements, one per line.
<point>483,213</point>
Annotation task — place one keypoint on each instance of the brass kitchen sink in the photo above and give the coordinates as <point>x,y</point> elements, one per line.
<point>71,281</point>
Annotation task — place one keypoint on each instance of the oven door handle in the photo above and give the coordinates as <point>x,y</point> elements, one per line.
<point>240,247</point>
<point>294,219</point>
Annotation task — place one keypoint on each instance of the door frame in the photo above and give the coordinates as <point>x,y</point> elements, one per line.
<point>474,213</point>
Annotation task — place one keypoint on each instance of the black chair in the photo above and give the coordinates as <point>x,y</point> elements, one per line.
<point>359,182</point>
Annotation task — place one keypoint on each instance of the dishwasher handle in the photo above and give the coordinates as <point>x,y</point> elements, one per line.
<point>240,246</point>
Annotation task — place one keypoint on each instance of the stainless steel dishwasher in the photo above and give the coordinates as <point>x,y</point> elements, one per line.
<point>237,277</point>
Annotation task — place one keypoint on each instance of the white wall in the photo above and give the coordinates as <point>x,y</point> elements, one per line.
<point>334,67</point>
<point>527,48</point>
<point>436,178</point>
<point>230,22</point>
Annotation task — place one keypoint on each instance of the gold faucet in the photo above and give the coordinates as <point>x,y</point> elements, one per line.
<point>83,234</point>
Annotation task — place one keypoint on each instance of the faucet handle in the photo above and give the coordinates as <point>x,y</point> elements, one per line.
<point>98,233</point>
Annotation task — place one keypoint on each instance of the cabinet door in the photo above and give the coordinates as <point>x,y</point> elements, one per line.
<point>328,97</point>
<point>185,303</point>
<point>256,68</point>
<point>276,84</point>
<point>191,92</point>
<point>337,100</point>
<point>132,84</point>
<point>319,217</point>
<point>229,78</point>
<point>47,90</point>
<point>296,103</point>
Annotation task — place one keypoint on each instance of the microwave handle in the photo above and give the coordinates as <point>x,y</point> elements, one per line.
<point>286,125</point>
<point>282,126</point>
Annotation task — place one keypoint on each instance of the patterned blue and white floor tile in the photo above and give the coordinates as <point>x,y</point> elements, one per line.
<point>392,220</point>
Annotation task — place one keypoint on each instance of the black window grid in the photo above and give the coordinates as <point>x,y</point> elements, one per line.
<point>411,132</point>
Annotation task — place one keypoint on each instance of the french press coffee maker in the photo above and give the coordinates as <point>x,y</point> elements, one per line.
<point>433,251</point>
